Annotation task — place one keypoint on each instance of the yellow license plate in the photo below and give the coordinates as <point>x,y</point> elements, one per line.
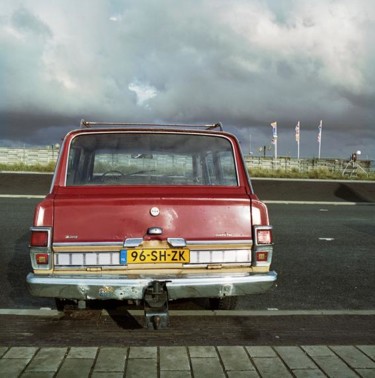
<point>153,256</point>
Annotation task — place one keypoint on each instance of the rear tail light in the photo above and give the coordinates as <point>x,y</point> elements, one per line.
<point>263,247</point>
<point>263,236</point>
<point>39,238</point>
<point>40,247</point>
<point>262,256</point>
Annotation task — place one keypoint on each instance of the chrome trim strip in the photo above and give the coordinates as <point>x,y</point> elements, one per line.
<point>87,244</point>
<point>177,242</point>
<point>133,242</point>
<point>219,242</point>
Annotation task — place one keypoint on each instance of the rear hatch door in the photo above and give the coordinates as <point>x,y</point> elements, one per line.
<point>198,214</point>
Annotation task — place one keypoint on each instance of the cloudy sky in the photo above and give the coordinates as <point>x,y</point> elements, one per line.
<point>246,63</point>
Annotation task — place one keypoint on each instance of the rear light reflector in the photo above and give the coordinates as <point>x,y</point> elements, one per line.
<point>262,256</point>
<point>39,239</point>
<point>41,258</point>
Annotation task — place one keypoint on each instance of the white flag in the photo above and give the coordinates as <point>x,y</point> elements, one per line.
<point>274,127</point>
<point>320,131</point>
<point>298,132</point>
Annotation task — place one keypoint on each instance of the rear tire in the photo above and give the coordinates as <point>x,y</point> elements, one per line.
<point>225,303</point>
<point>63,305</point>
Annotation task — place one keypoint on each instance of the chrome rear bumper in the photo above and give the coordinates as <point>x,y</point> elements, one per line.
<point>133,287</point>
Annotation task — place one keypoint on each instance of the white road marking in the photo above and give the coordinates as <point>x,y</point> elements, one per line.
<point>41,196</point>
<point>271,312</point>
<point>21,196</point>
<point>325,203</point>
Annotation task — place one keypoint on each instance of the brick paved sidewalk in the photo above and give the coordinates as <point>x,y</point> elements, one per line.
<point>194,361</point>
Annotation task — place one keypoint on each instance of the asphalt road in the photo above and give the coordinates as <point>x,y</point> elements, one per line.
<point>323,254</point>
<point>283,190</point>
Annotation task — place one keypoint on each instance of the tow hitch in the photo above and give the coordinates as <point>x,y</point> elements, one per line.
<point>155,302</point>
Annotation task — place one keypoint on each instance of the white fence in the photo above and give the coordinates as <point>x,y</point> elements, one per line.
<point>46,155</point>
<point>306,165</point>
<point>28,156</point>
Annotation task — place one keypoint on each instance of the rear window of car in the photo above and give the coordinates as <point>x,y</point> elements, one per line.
<point>151,159</point>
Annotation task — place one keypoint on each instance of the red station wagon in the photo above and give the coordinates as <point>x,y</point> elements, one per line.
<point>149,214</point>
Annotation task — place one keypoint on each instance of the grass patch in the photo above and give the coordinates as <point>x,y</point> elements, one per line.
<point>22,167</point>
<point>318,173</point>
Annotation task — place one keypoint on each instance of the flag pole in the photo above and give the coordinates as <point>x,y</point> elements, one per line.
<point>298,151</point>
<point>276,147</point>
<point>298,137</point>
<point>320,137</point>
<point>274,137</point>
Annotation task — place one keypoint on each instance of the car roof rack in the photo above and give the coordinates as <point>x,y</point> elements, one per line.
<point>90,124</point>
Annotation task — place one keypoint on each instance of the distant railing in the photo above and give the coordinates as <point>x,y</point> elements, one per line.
<point>48,154</point>
<point>29,155</point>
<point>306,165</point>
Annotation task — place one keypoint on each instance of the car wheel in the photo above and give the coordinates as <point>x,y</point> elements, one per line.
<point>225,303</point>
<point>65,304</point>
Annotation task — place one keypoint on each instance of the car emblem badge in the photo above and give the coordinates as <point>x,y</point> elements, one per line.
<point>154,211</point>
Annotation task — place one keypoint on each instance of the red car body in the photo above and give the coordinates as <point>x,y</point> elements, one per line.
<point>133,206</point>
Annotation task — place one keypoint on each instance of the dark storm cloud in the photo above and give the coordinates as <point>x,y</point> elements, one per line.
<point>245,63</point>
<point>23,20</point>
